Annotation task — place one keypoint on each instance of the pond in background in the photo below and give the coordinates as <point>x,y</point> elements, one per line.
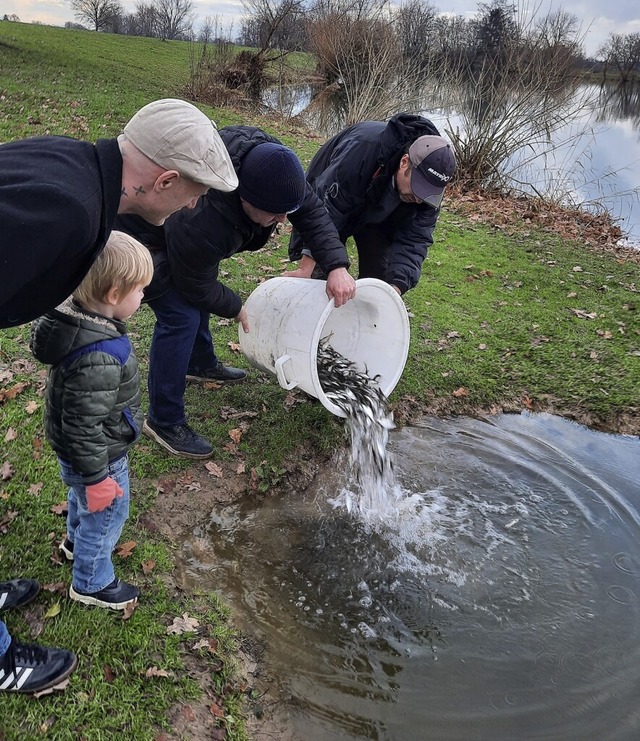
<point>593,159</point>
<point>501,604</point>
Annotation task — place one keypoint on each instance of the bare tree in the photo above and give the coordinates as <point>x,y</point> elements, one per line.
<point>273,24</point>
<point>97,13</point>
<point>622,51</point>
<point>509,95</point>
<point>360,55</point>
<point>143,22</point>
<point>175,18</point>
<point>415,24</point>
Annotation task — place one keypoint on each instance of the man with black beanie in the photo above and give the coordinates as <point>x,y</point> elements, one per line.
<point>186,288</point>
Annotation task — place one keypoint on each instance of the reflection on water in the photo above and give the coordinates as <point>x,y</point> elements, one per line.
<point>500,604</point>
<point>592,160</point>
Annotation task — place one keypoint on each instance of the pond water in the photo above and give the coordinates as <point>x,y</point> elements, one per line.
<point>501,603</point>
<point>593,160</point>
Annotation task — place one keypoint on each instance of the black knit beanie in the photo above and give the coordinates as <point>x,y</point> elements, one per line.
<point>272,179</point>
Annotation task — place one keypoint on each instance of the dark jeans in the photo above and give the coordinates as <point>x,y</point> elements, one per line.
<point>372,243</point>
<point>181,344</point>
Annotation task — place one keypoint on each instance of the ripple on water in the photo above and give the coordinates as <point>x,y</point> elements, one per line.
<point>498,601</point>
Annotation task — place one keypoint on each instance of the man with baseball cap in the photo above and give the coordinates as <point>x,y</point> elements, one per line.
<point>187,289</point>
<point>382,184</point>
<point>59,197</point>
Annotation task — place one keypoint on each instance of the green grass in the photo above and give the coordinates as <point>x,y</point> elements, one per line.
<point>493,314</point>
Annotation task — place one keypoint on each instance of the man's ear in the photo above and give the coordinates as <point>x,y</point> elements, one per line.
<point>166,179</point>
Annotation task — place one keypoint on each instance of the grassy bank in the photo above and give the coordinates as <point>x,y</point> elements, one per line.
<point>502,319</point>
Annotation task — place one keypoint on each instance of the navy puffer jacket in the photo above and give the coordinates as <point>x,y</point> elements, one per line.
<point>351,173</point>
<point>92,409</point>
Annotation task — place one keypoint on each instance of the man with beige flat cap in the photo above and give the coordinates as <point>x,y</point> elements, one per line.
<point>59,197</point>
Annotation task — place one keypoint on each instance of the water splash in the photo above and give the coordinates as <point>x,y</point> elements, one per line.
<point>369,420</point>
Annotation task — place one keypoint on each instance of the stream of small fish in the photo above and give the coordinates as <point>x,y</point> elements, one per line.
<point>498,601</point>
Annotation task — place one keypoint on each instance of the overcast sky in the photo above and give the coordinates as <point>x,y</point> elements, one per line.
<point>598,18</point>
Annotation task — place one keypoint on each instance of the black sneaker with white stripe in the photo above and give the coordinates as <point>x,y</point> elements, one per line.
<point>17,592</point>
<point>30,668</point>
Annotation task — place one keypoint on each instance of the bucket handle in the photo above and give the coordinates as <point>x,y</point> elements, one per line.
<point>282,378</point>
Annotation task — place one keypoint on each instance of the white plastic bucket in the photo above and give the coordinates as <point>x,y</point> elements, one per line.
<point>289,316</point>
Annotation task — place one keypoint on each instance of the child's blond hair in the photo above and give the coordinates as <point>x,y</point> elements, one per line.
<point>124,263</point>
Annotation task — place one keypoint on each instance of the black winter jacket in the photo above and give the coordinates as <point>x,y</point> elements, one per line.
<point>92,407</point>
<point>193,242</point>
<point>58,200</point>
<point>351,173</point>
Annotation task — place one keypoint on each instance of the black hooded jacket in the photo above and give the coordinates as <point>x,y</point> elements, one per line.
<point>352,172</point>
<point>188,250</point>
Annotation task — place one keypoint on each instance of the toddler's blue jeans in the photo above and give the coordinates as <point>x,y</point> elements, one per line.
<point>95,534</point>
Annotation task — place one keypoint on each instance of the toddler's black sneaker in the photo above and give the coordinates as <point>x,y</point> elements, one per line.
<point>115,596</point>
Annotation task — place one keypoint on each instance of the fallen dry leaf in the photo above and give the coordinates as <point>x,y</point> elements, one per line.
<point>109,674</point>
<point>584,314</point>
<point>234,346</point>
<point>241,467</point>
<point>6,520</point>
<point>129,610</point>
<point>153,671</point>
<point>11,435</point>
<point>210,644</point>
<point>235,434</point>
<point>124,550</point>
<point>59,509</point>
<point>31,407</point>
<point>35,489</point>
<point>148,566</point>
<point>58,688</point>
<point>217,711</point>
<point>7,471</point>
<point>57,586</point>
<point>462,391</point>
<point>184,624</point>
<point>214,469</point>
<point>11,393</point>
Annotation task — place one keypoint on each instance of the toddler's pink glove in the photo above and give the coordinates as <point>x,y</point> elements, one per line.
<point>102,494</point>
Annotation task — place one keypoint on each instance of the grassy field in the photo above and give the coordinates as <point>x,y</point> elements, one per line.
<point>499,321</point>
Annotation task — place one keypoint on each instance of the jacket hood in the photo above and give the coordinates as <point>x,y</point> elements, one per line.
<point>68,328</point>
<point>402,130</point>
